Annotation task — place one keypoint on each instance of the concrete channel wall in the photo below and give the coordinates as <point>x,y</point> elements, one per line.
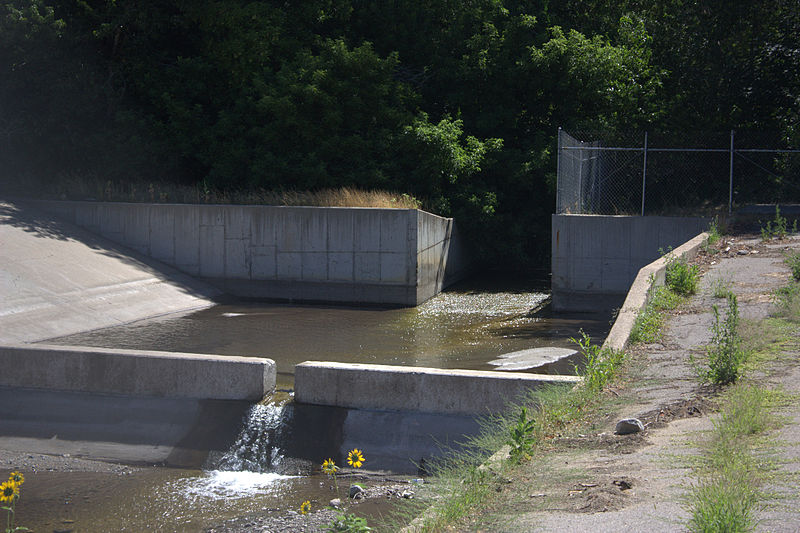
<point>384,256</point>
<point>595,258</point>
<point>403,388</point>
<point>640,292</point>
<point>136,373</point>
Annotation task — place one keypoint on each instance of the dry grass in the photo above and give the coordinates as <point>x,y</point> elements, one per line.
<point>97,190</point>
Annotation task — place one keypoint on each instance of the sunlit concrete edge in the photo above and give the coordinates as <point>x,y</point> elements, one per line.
<point>137,372</point>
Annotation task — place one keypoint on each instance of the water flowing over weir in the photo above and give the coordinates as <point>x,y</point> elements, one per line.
<point>257,447</point>
<point>233,459</point>
<point>293,439</point>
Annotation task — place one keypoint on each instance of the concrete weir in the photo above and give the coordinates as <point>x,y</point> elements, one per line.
<point>136,373</point>
<point>403,388</point>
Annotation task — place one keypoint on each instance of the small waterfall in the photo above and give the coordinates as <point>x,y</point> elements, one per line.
<point>257,448</point>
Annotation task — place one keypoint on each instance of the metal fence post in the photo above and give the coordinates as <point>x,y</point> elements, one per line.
<point>730,180</point>
<point>644,172</point>
<point>558,171</point>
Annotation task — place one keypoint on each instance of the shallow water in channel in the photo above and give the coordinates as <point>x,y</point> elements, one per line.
<point>461,328</point>
<point>465,327</point>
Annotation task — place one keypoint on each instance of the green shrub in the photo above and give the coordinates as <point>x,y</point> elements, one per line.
<point>521,436</point>
<point>681,277</point>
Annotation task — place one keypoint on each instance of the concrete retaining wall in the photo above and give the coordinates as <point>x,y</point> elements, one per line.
<point>639,294</point>
<point>387,256</point>
<point>595,258</point>
<point>403,388</point>
<point>137,373</point>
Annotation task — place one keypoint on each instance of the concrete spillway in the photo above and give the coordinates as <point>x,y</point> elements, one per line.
<point>57,279</point>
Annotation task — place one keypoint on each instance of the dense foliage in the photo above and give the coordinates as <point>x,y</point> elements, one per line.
<point>455,102</point>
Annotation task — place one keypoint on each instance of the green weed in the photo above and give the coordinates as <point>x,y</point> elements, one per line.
<point>349,523</point>
<point>601,363</point>
<point>521,437</point>
<point>714,233</point>
<point>793,261</point>
<point>787,301</point>
<point>721,288</point>
<point>728,496</point>
<point>725,355</point>
<point>680,277</point>
<point>776,228</point>
<point>722,506</point>
<point>647,327</point>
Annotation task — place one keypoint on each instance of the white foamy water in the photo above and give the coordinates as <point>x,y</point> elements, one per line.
<point>219,485</point>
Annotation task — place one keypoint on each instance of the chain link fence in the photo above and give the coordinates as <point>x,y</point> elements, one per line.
<point>641,173</point>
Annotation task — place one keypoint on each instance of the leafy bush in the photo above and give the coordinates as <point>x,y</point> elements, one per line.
<point>681,277</point>
<point>521,436</point>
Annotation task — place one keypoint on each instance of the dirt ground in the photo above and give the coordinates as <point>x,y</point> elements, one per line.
<point>604,482</point>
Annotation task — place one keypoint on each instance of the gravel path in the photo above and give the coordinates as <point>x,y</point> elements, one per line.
<point>611,483</point>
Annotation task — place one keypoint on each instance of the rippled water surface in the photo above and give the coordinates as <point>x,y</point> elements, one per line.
<point>461,328</point>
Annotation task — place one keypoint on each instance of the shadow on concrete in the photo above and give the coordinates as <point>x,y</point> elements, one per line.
<point>47,226</point>
<point>135,430</point>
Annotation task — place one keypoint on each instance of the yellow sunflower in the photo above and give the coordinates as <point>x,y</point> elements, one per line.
<point>355,458</point>
<point>305,507</point>
<point>329,467</point>
<point>8,491</point>
<point>17,478</point>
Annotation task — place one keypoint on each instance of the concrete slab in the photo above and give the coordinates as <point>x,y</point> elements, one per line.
<point>57,279</point>
<point>136,372</point>
<point>212,251</point>
<point>399,388</point>
<point>367,266</point>
<point>340,266</point>
<point>532,358</point>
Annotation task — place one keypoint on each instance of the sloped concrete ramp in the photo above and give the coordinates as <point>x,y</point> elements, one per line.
<point>57,279</point>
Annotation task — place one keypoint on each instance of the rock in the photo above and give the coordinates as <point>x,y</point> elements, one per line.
<point>336,503</point>
<point>356,492</point>
<point>743,252</point>
<point>408,494</point>
<point>627,426</point>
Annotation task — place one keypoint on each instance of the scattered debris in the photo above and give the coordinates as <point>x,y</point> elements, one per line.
<point>623,484</point>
